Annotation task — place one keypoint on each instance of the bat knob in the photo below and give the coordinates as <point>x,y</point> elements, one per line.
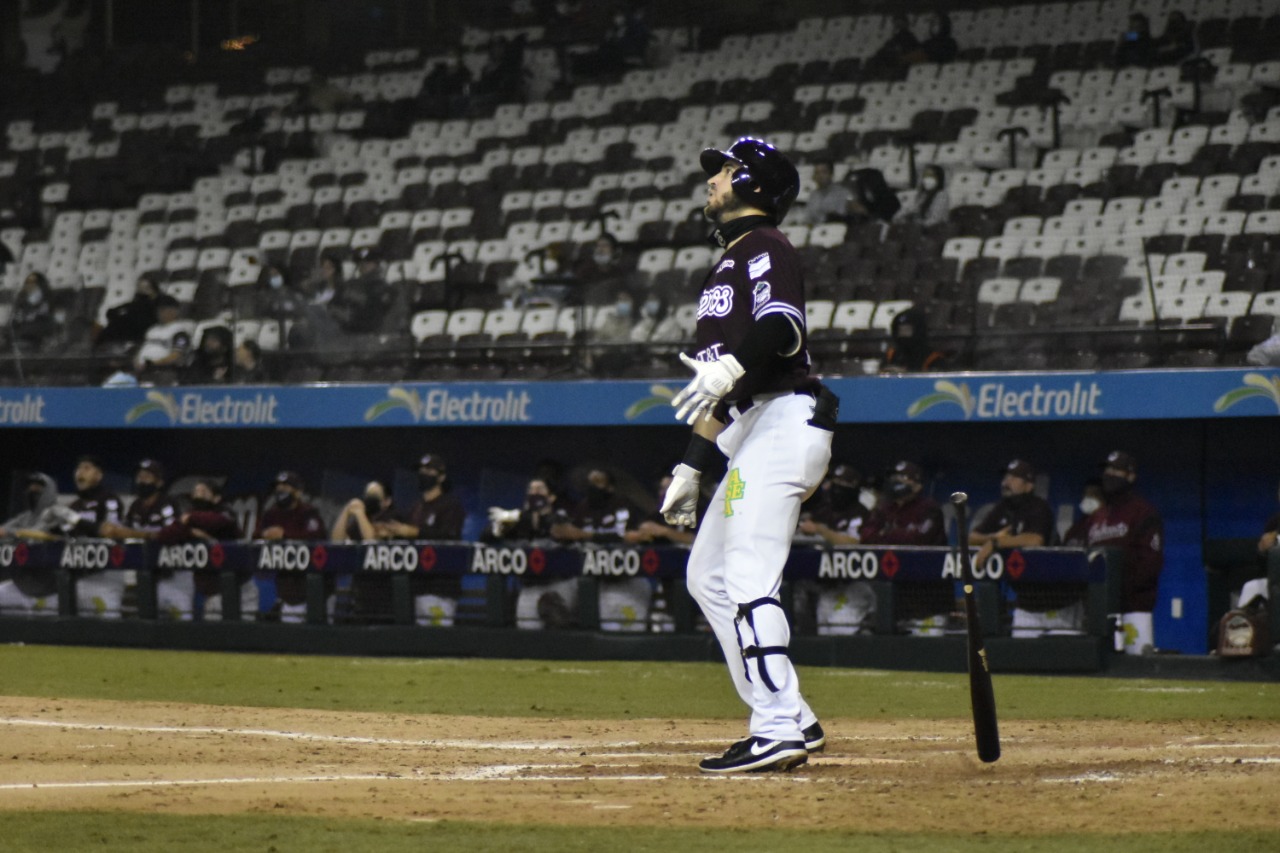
<point>959,498</point>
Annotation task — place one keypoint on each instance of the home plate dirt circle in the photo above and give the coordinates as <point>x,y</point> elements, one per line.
<point>876,776</point>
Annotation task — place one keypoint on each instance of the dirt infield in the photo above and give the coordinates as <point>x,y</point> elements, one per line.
<point>908,775</point>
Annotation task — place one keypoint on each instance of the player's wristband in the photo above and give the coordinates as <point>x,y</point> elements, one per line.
<point>702,453</point>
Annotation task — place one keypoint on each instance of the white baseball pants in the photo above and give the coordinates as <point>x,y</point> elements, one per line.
<point>776,460</point>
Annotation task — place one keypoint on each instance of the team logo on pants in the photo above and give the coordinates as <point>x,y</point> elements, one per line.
<point>735,488</point>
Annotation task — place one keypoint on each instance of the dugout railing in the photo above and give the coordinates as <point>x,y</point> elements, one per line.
<point>893,574</point>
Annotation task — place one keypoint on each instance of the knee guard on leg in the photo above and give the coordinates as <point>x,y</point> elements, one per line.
<point>775,639</point>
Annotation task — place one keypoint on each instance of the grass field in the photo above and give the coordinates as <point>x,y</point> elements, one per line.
<point>1106,715</point>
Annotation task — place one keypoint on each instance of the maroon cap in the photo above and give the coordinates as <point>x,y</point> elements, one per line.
<point>910,470</point>
<point>845,474</point>
<point>290,478</point>
<point>1021,468</point>
<point>1121,461</point>
<point>434,461</point>
<point>152,465</point>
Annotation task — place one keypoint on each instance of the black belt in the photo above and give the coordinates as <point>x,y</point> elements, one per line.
<point>826,407</point>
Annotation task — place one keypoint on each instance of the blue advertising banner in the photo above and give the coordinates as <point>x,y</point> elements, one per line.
<point>973,397</point>
<point>897,565</point>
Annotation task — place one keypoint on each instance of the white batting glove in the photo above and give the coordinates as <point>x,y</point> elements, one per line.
<point>711,381</point>
<point>498,515</point>
<point>680,506</point>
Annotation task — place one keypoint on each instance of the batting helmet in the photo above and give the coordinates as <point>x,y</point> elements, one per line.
<point>766,180</point>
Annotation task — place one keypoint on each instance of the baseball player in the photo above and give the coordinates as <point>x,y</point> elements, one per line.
<point>97,593</point>
<point>752,400</point>
<point>151,510</point>
<point>290,517</point>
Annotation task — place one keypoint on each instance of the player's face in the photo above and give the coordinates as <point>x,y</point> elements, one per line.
<point>720,198</point>
<point>87,476</point>
<point>1013,485</point>
<point>201,492</point>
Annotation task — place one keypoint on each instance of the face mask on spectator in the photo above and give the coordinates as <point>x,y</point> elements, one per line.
<point>899,489</point>
<point>427,482</point>
<point>202,504</point>
<point>602,257</point>
<point>536,503</point>
<point>276,282</point>
<point>33,498</point>
<point>372,504</point>
<point>1114,484</point>
<point>145,490</point>
<point>284,498</point>
<point>35,296</point>
<point>623,309</point>
<point>652,307</point>
<point>929,182</point>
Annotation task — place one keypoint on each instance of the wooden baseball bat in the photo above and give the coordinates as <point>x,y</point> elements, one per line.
<point>981,696</point>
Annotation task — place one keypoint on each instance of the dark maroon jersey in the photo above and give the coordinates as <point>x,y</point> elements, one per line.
<point>441,518</point>
<point>1021,514</point>
<point>1130,523</point>
<point>300,521</point>
<point>757,276</point>
<point>159,513</point>
<point>917,522</point>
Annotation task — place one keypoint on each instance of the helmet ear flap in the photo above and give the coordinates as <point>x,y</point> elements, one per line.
<point>745,186</point>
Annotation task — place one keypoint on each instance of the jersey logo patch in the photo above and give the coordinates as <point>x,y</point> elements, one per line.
<point>735,489</point>
<point>761,293</point>
<point>759,265</point>
<point>725,265</point>
<point>716,301</point>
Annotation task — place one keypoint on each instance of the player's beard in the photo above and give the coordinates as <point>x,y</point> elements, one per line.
<point>720,210</point>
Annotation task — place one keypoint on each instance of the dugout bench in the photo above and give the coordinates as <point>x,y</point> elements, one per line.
<point>887,570</point>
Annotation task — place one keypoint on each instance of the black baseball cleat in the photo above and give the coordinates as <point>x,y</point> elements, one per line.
<point>815,739</point>
<point>757,755</point>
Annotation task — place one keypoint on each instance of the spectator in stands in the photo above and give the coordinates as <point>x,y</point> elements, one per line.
<point>910,350</point>
<point>1091,500</point>
<point>931,205</point>
<point>658,323</point>
<point>208,519</point>
<point>612,332</point>
<point>1176,43</point>
<point>827,201</point>
<point>32,590</point>
<point>276,298</point>
<point>1267,353</point>
<point>249,369</point>
<point>1023,519</point>
<point>602,516</point>
<point>1128,522</point>
<point>97,593</point>
<point>893,57</point>
<point>326,282</point>
<point>290,516</point>
<point>360,306</point>
<point>32,322</point>
<point>1136,47</point>
<point>438,515</point>
<point>446,91</point>
<point>600,272</point>
<point>211,363</point>
<point>128,323</point>
<point>939,46</point>
<point>503,76</point>
<point>151,511</point>
<point>168,341</point>
<point>907,516</point>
